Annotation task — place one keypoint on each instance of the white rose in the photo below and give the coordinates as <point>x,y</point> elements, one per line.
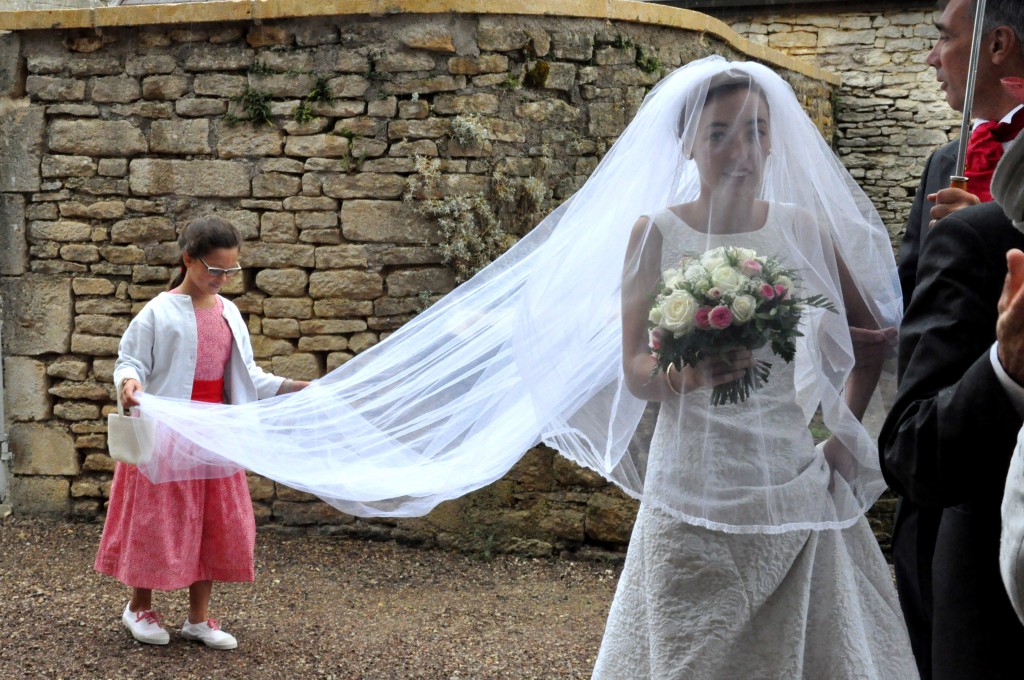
<point>743,308</point>
<point>678,311</point>
<point>745,254</point>
<point>669,276</point>
<point>694,273</point>
<point>655,315</point>
<point>728,280</point>
<point>713,259</point>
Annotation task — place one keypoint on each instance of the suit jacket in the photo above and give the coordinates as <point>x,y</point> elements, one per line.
<point>937,171</point>
<point>948,440</point>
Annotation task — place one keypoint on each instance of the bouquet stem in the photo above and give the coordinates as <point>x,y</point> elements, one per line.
<point>738,390</point>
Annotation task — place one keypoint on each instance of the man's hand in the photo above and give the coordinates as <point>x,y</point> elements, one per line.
<point>1010,325</point>
<point>948,201</point>
<point>872,345</point>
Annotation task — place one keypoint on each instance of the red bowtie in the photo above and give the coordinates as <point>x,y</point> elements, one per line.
<point>984,149</point>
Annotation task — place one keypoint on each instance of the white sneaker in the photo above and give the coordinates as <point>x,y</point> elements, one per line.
<point>209,633</point>
<point>145,626</point>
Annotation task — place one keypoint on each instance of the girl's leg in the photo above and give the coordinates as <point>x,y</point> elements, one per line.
<point>142,599</point>
<point>199,601</point>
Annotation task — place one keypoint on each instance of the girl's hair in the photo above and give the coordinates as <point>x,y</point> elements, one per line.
<point>720,85</point>
<point>202,235</point>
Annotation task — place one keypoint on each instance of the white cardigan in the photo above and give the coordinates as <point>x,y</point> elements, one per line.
<point>159,350</point>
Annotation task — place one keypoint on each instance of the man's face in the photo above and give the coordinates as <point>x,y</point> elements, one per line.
<point>951,55</point>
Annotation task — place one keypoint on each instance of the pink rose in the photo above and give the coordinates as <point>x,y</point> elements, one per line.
<point>702,319</point>
<point>655,338</point>
<point>767,292</point>
<point>751,267</point>
<point>715,293</point>
<point>781,291</point>
<point>720,317</point>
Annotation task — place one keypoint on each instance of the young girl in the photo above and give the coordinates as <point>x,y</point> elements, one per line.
<point>186,343</point>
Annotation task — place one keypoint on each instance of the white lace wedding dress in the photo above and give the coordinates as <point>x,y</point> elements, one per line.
<point>698,603</point>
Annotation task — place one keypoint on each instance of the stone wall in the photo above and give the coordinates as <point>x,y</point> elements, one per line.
<point>329,141</point>
<point>890,112</point>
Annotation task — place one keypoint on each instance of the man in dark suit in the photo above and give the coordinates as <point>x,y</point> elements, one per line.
<point>950,406</point>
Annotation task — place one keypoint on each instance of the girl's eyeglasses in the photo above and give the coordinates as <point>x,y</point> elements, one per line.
<point>217,272</point>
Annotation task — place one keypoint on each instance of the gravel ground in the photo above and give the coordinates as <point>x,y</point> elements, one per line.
<point>321,607</point>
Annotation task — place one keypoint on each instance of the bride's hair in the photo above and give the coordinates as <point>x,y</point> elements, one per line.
<point>719,85</point>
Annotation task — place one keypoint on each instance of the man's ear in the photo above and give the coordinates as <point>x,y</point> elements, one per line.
<point>1005,45</point>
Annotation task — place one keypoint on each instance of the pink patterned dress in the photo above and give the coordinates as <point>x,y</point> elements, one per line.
<point>168,536</point>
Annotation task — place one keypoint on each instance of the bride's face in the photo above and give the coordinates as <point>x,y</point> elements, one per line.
<point>732,141</point>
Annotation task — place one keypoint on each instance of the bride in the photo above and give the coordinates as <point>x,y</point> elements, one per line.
<point>751,556</point>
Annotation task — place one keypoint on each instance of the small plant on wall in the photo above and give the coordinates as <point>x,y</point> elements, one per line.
<point>476,229</point>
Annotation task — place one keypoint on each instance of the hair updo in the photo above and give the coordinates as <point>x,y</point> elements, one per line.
<point>202,235</point>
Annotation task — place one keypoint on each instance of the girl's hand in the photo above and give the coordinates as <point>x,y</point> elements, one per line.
<point>128,388</point>
<point>711,372</point>
<point>289,386</point>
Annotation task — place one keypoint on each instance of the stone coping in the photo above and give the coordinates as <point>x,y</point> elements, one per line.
<point>257,10</point>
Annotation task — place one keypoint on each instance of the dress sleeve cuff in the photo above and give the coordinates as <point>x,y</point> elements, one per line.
<point>1014,391</point>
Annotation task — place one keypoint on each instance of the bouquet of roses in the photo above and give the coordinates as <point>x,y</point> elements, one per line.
<point>722,300</point>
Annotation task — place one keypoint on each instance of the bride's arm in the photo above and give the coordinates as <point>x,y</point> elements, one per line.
<point>871,344</point>
<point>640,274</point>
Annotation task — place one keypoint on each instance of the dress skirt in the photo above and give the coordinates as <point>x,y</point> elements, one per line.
<point>168,536</point>
<point>696,604</point>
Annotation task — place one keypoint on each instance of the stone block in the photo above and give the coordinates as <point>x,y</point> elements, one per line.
<point>112,167</point>
<point>180,136</point>
<point>331,326</point>
<point>451,104</point>
<point>362,341</point>
<point>37,313</point>
<point>275,184</point>
<point>317,146</point>
<point>217,58</point>
<point>21,148</point>
<point>12,67</point>
<point>364,185</point>
<point>143,230</point>
<point>198,108</point>
<point>85,254</point>
<point>430,128</point>
<point>278,255</point>
<point>149,64</point>
<point>281,328</point>
<point>348,87</point>
<point>323,343</point>
<point>386,221</point>
<point>471,66</point>
<point>94,345</point>
<point>13,241</point>
<point>96,138</point>
<point>428,38</point>
<point>341,257</point>
<point>353,285</point>
<point>68,166</point>
<point>548,110</point>
<point>116,89</point>
<point>239,141</point>
<point>278,227</point>
<point>40,496</point>
<point>166,88</point>
<point>43,450</point>
<point>316,221</point>
<point>406,283</point>
<point>610,517</point>
<point>288,308</point>
<point>69,369</point>
<point>150,177</point>
<point>100,210</point>
<point>282,282</point>
<point>298,366</point>
<point>50,89</point>
<point>25,389</point>
<point>264,347</point>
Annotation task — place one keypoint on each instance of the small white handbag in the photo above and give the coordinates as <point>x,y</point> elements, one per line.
<point>130,439</point>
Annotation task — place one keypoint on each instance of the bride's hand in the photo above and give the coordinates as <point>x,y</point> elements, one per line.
<point>711,372</point>
<point>839,460</point>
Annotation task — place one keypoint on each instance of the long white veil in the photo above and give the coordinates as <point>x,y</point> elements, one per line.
<point>530,349</point>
